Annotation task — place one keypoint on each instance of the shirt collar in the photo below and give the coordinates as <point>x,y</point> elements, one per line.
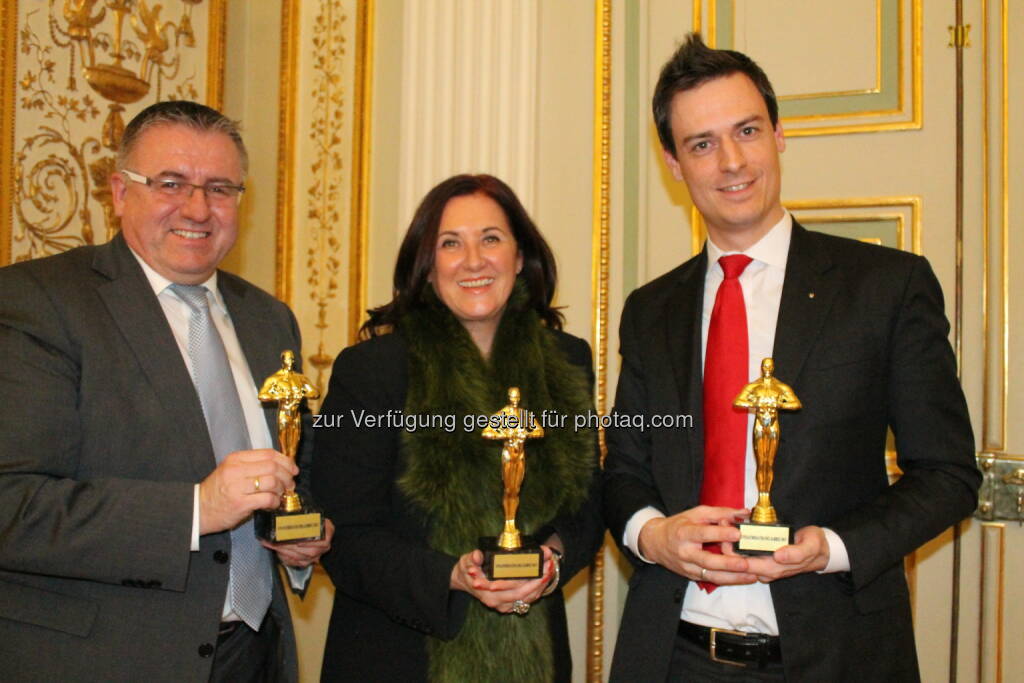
<point>772,249</point>
<point>160,284</point>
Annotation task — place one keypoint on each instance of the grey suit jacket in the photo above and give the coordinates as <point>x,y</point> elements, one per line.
<point>102,439</point>
<point>862,339</point>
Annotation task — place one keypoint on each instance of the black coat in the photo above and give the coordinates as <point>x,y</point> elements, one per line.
<point>392,588</point>
<point>862,339</point>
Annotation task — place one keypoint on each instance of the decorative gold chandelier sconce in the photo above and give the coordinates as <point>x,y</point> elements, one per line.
<point>120,66</point>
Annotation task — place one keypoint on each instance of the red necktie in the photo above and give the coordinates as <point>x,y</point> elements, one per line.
<point>725,374</point>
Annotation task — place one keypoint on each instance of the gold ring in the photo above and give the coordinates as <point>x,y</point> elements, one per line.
<point>703,571</point>
<point>256,483</point>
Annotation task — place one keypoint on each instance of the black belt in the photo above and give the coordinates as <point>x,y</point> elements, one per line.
<point>227,629</point>
<point>733,647</point>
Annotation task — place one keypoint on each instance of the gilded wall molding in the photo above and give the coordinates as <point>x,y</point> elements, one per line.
<point>361,137</point>
<point>599,296</point>
<point>290,13</point>
<point>892,104</point>
<point>72,74</point>
<point>323,181</point>
<point>995,283</point>
<point>8,59</point>
<point>846,210</point>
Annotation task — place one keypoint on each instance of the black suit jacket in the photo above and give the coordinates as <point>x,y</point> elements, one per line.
<point>392,588</point>
<point>862,339</point>
<point>102,439</point>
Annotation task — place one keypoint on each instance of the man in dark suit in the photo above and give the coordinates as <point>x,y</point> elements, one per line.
<point>859,333</point>
<point>126,547</point>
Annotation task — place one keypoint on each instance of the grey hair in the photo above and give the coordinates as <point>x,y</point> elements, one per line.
<point>193,115</point>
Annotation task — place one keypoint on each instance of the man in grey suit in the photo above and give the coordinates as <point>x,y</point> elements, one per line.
<point>133,448</point>
<point>859,333</point>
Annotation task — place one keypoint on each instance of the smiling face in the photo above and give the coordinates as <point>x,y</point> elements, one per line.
<point>728,154</point>
<point>476,260</point>
<point>183,239</point>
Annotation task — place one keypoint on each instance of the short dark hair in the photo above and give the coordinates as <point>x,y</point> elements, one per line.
<point>693,64</point>
<point>416,255</point>
<point>197,116</point>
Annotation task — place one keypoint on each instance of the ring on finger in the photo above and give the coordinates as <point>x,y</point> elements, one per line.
<point>256,484</point>
<point>703,573</point>
<point>520,607</point>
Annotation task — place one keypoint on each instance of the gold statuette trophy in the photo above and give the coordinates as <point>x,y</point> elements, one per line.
<point>512,555</point>
<point>293,521</point>
<point>766,396</point>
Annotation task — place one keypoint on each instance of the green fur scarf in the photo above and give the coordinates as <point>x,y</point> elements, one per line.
<point>455,477</point>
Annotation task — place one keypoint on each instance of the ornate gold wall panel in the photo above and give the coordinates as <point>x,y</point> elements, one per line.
<point>324,161</point>
<point>73,73</point>
<point>599,296</point>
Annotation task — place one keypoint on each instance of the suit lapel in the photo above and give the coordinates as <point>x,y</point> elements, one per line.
<point>683,328</point>
<point>807,295</point>
<point>136,312</point>
<point>254,337</point>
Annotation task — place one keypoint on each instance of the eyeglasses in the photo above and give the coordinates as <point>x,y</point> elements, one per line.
<point>179,191</point>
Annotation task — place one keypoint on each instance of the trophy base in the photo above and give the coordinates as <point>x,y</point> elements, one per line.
<point>763,539</point>
<point>279,526</point>
<point>525,562</point>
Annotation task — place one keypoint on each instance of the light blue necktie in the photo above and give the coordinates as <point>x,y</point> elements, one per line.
<point>251,564</point>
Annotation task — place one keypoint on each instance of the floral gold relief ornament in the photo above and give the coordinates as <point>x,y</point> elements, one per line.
<point>325,193</point>
<point>124,51</point>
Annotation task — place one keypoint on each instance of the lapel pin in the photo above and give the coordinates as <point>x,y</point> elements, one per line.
<point>810,295</point>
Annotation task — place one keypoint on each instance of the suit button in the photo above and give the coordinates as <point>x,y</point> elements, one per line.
<point>205,650</point>
<point>220,557</point>
<point>678,596</point>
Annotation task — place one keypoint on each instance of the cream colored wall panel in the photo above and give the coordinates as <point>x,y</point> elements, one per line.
<point>842,40</point>
<point>664,231</point>
<point>386,227</point>
<point>562,206</point>
<point>251,28</point>
<point>993,597</point>
<point>932,607</point>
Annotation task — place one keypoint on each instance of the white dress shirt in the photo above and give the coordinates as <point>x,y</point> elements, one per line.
<point>749,607</point>
<point>178,315</point>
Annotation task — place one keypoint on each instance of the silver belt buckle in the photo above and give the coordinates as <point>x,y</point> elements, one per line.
<point>712,646</point>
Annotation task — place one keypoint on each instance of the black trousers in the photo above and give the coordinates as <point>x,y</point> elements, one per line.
<point>247,656</point>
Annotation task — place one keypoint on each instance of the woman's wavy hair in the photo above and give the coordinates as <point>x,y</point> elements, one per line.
<point>416,255</point>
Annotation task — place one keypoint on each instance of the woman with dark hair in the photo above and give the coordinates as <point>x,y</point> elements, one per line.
<point>409,481</point>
